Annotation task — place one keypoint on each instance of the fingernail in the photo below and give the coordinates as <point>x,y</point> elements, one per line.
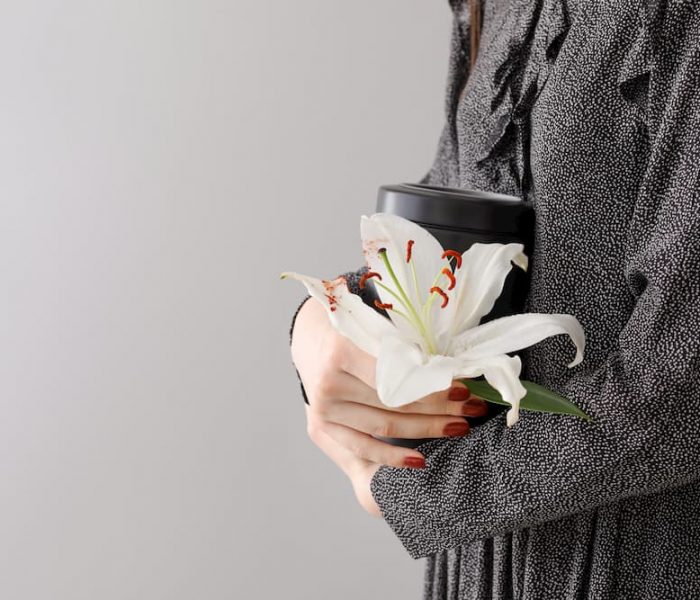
<point>457,428</point>
<point>417,462</point>
<point>458,394</point>
<point>475,408</point>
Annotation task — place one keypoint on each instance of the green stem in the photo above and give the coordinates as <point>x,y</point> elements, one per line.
<point>415,282</point>
<point>408,304</point>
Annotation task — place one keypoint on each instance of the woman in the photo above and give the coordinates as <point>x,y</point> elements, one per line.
<point>590,111</point>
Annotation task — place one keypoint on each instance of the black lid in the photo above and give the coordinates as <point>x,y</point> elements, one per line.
<point>454,208</point>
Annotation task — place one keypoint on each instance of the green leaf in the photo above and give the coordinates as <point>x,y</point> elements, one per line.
<point>538,398</point>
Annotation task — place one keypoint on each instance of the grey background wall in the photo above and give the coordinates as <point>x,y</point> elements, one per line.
<point>161,162</point>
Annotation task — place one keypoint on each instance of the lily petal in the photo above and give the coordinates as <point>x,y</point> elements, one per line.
<point>503,373</point>
<point>512,333</point>
<point>350,316</point>
<point>480,282</point>
<point>384,230</point>
<point>405,374</point>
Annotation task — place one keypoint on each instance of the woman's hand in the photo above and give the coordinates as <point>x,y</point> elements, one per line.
<point>339,380</point>
<point>358,470</point>
<point>361,484</point>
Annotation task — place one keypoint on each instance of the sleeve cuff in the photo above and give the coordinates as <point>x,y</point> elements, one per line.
<point>291,331</point>
<point>399,499</point>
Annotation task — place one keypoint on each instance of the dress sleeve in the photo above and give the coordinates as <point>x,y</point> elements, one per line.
<point>291,333</point>
<point>644,397</point>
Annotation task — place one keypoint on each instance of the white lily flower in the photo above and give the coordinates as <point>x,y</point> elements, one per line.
<point>433,335</point>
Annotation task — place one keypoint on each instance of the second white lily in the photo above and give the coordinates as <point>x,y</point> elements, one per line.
<point>434,306</point>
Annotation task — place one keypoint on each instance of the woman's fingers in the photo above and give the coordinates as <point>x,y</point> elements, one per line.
<point>346,460</point>
<point>357,362</point>
<point>364,446</point>
<point>361,365</point>
<point>358,470</point>
<point>456,400</point>
<point>388,423</point>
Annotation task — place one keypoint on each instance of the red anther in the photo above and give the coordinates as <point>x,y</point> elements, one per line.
<point>387,306</point>
<point>409,245</point>
<point>366,276</point>
<point>455,254</point>
<point>331,300</point>
<point>451,277</point>
<point>443,294</point>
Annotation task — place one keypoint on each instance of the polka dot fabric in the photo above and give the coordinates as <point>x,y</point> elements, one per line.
<point>591,112</point>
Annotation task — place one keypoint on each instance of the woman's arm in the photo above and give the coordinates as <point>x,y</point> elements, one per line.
<point>645,398</point>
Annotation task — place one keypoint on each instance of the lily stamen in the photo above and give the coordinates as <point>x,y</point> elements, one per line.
<point>366,276</point>
<point>443,294</point>
<point>387,306</point>
<point>453,254</point>
<point>451,277</point>
<point>409,246</point>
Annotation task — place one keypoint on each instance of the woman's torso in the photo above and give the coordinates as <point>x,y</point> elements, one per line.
<point>555,113</point>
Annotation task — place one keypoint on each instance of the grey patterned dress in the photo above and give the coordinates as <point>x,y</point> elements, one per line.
<point>590,110</point>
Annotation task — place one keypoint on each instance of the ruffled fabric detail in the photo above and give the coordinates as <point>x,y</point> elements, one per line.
<point>633,80</point>
<point>525,62</point>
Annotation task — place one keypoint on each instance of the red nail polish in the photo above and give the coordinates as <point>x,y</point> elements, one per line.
<point>457,428</point>
<point>417,462</point>
<point>476,408</point>
<point>458,394</point>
